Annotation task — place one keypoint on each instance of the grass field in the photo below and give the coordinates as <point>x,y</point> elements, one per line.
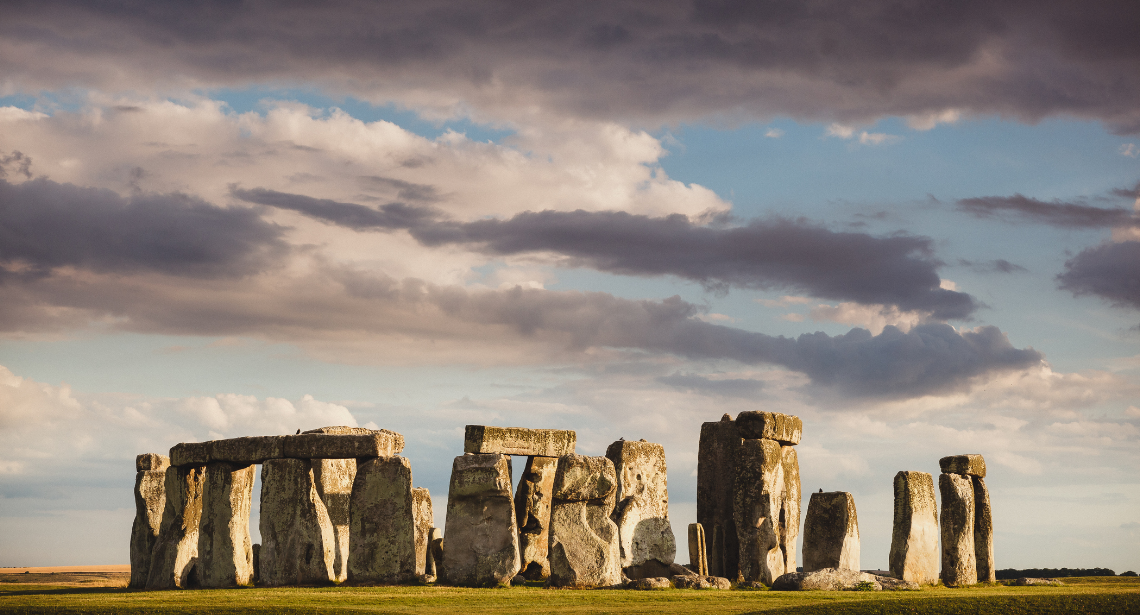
<point>45,595</point>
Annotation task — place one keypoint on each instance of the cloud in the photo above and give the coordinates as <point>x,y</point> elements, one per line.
<point>1110,271</point>
<point>1130,150</point>
<point>872,317</point>
<point>927,121</point>
<point>719,387</point>
<point>773,133</point>
<point>1056,213</point>
<point>993,266</point>
<point>675,61</point>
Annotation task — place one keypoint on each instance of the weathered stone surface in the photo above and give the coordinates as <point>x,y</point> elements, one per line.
<point>518,441</point>
<point>698,561</point>
<point>296,533</point>
<point>651,583</point>
<point>255,449</point>
<point>584,550</point>
<point>716,476</point>
<point>422,522</point>
<point>532,513</point>
<point>256,563</point>
<point>790,507</point>
<point>826,579</point>
<point>972,465</point>
<point>225,551</point>
<point>150,501</point>
<point>892,584</point>
<point>641,510</point>
<point>958,563</point>
<point>433,556</point>
<point>784,428</point>
<point>332,446</point>
<point>151,462</point>
<point>914,541</point>
<point>831,532</point>
<point>436,549</point>
<point>759,511</point>
<point>382,532</point>
<point>482,537</point>
<point>334,478</point>
<point>701,582</point>
<point>175,555</point>
<point>190,454</point>
<point>1023,581</point>
<point>983,532</point>
<point>341,430</point>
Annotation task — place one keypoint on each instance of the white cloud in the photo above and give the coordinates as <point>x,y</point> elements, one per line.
<point>841,131</point>
<point>1130,150</point>
<point>773,133</point>
<point>865,138</point>
<point>928,121</point>
<point>870,317</point>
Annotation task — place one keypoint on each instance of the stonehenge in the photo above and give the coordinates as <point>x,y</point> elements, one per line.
<point>966,522</point>
<point>831,532</point>
<point>150,501</point>
<point>641,509</point>
<point>482,541</point>
<point>297,541</point>
<point>914,540</point>
<point>584,545</point>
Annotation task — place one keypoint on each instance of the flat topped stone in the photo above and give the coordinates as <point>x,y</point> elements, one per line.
<point>784,428</point>
<point>151,462</point>
<point>254,449</point>
<point>190,454</point>
<point>331,446</point>
<point>519,441</point>
<point>324,443</point>
<point>343,430</point>
<point>969,465</point>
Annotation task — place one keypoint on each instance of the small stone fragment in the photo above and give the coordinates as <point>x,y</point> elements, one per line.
<point>914,541</point>
<point>423,522</point>
<point>482,537</point>
<point>584,550</point>
<point>698,561</point>
<point>972,465</point>
<point>532,510</point>
<point>831,532</point>
<point>296,533</point>
<point>641,511</point>
<point>959,566</point>
<point>225,551</point>
<point>784,428</point>
<point>983,532</point>
<point>651,583</point>
<point>518,441</point>
<point>382,523</point>
<point>175,554</point>
<point>826,579</point>
<point>150,502</point>
<point>890,584</point>
<point>333,478</point>
<point>151,462</point>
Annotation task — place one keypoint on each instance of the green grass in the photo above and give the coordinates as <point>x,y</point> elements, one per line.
<point>1079,595</point>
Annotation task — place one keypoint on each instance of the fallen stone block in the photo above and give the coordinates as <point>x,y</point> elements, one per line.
<point>831,532</point>
<point>651,583</point>
<point>225,551</point>
<point>297,536</point>
<point>518,441</point>
<point>826,579</point>
<point>382,530</point>
<point>482,537</point>
<point>783,428</point>
<point>1024,581</point>
<point>334,478</point>
<point>641,511</point>
<point>971,465</point>
<point>190,454</point>
<point>332,446</point>
<point>717,456</point>
<point>423,520</point>
<point>983,532</point>
<point>151,462</point>
<point>757,510</point>
<point>150,502</point>
<point>894,584</point>
<point>532,511</point>
<point>959,566</point>
<point>175,555</point>
<point>584,550</point>
<point>698,561</point>
<point>701,582</point>
<point>255,449</point>
<point>914,540</point>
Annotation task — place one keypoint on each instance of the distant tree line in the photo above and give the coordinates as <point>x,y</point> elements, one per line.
<point>1011,573</point>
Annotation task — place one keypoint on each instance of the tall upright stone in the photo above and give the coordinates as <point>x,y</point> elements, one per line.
<point>584,548</point>
<point>173,561</point>
<point>716,476</point>
<point>150,500</point>
<point>641,511</point>
<point>759,512</point>
<point>334,478</point>
<point>532,514</point>
<point>297,541</point>
<point>698,561</point>
<point>225,551</point>
<point>983,532</point>
<point>482,546</point>
<point>790,506</point>
<point>382,526</point>
<point>914,541</point>
<point>831,532</point>
<point>958,560</point>
<point>422,522</point>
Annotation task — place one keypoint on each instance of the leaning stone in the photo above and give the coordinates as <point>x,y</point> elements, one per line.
<point>972,465</point>
<point>422,520</point>
<point>151,462</point>
<point>256,449</point>
<point>518,441</point>
<point>532,513</point>
<point>296,533</point>
<point>983,532</point>
<point>1023,581</point>
<point>175,554</point>
<point>225,551</point>
<point>642,509</point>
<point>482,536</point>
<point>784,428</point>
<point>914,541</point>
<point>382,530</point>
<point>331,446</point>
<point>341,430</point>
<point>716,475</point>
<point>584,550</point>
<point>757,510</point>
<point>697,559</point>
<point>826,579</point>
<point>650,583</point>
<point>831,532</point>
<point>190,454</point>
<point>333,478</point>
<point>150,501</point>
<point>958,563</point>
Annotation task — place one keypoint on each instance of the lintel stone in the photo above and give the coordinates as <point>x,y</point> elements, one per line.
<point>519,441</point>
<point>151,462</point>
<point>968,465</point>
<point>784,428</point>
<point>331,446</point>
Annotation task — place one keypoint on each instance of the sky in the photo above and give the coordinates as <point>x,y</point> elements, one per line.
<point>914,225</point>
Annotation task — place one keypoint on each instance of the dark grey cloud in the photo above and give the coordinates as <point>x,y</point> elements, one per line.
<point>896,270</point>
<point>407,191</point>
<point>999,265</point>
<point>1110,271</point>
<point>45,225</point>
<point>662,61</point>
<point>1056,213</point>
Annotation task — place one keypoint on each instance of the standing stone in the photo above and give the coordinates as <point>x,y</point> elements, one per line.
<point>150,500</point>
<point>431,568</point>
<point>382,531</point>
<point>518,441</point>
<point>175,555</point>
<point>532,512</point>
<point>914,541</point>
<point>422,520</point>
<point>641,512</point>
<point>983,532</point>
<point>225,551</point>
<point>296,535</point>
<point>334,478</point>
<point>790,506</point>
<point>759,512</point>
<point>958,563</point>
<point>436,550</point>
<point>698,561</point>
<point>584,549</point>
<point>482,537</point>
<point>716,474</point>
<point>831,532</point>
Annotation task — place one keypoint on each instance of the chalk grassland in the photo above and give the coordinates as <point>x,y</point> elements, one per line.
<point>1079,595</point>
